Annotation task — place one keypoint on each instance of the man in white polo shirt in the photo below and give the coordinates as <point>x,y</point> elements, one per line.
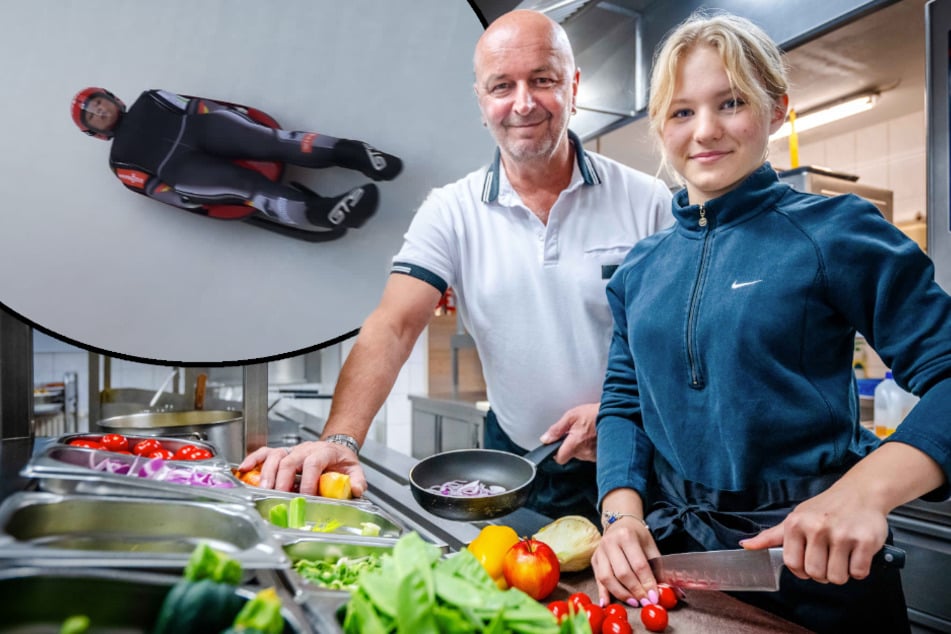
<point>527,244</point>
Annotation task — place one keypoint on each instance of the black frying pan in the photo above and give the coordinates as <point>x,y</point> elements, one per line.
<point>492,467</point>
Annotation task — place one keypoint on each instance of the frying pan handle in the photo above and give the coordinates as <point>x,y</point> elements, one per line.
<point>538,455</point>
<point>890,557</point>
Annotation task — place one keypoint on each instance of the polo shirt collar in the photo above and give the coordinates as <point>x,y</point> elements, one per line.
<point>590,176</point>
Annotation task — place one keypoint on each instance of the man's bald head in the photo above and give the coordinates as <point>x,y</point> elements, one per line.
<point>522,27</point>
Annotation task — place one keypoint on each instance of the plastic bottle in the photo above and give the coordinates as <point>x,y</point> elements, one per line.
<point>892,404</point>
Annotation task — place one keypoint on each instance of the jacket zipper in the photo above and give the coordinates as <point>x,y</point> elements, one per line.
<point>696,380</point>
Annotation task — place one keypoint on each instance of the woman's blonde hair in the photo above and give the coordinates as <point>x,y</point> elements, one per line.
<point>753,62</point>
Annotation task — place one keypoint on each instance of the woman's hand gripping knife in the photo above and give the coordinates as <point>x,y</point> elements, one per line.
<point>833,536</point>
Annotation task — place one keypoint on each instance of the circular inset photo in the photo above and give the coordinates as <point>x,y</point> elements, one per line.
<point>224,182</point>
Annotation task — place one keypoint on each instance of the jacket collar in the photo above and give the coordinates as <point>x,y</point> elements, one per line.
<point>490,185</point>
<point>755,194</point>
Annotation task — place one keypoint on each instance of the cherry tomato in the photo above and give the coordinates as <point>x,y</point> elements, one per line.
<point>164,454</point>
<point>86,444</point>
<point>595,617</point>
<point>654,618</point>
<point>579,600</point>
<point>115,442</point>
<point>184,451</point>
<point>147,446</point>
<point>200,453</point>
<point>668,598</point>
<point>616,610</point>
<point>559,609</point>
<point>616,625</point>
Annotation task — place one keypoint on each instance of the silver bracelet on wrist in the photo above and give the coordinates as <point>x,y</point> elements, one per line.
<point>344,440</point>
<point>612,516</point>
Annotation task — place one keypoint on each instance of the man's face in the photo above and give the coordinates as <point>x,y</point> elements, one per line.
<point>526,89</point>
<point>101,113</point>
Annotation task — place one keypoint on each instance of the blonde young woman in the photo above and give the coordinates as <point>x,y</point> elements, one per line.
<point>729,416</point>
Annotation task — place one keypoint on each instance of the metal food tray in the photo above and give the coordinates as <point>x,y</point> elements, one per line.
<point>172,444</point>
<point>328,547</point>
<point>84,530</point>
<point>38,600</point>
<point>66,470</point>
<point>320,510</point>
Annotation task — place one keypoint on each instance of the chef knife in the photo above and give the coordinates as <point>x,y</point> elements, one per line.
<point>739,569</point>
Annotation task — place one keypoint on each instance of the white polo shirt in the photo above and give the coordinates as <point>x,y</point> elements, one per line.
<point>533,295</point>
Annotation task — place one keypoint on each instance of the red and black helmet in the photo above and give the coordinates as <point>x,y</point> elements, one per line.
<point>82,98</point>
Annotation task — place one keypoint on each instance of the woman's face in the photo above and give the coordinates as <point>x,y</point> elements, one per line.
<point>711,136</point>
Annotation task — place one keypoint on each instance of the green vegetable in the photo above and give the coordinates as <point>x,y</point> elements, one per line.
<point>207,563</point>
<point>278,515</point>
<point>262,614</point>
<point>297,513</point>
<point>327,527</point>
<point>198,607</point>
<point>416,590</point>
<point>369,529</point>
<point>76,624</point>
<point>341,574</point>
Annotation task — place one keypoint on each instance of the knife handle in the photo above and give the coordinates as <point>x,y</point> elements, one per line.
<point>889,557</point>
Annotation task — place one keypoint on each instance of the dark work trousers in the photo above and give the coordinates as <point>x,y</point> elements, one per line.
<point>558,490</point>
<point>685,516</point>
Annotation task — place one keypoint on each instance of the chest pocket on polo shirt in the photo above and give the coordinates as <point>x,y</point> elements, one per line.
<point>599,264</point>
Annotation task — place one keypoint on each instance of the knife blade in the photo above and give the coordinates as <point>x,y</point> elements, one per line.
<point>739,569</point>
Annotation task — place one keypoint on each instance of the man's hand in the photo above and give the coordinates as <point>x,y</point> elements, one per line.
<point>581,437</point>
<point>280,466</point>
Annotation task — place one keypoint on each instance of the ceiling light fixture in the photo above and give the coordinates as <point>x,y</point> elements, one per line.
<point>828,114</point>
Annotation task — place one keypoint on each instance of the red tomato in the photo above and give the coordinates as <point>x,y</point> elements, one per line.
<point>147,446</point>
<point>200,453</point>
<point>579,600</point>
<point>616,625</point>
<point>595,617</point>
<point>616,610</point>
<point>184,451</point>
<point>86,444</point>
<point>115,442</point>
<point>164,454</point>
<point>668,598</point>
<point>559,609</point>
<point>532,567</point>
<point>654,618</point>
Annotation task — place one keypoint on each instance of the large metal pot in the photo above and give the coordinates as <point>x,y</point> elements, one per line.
<point>222,428</point>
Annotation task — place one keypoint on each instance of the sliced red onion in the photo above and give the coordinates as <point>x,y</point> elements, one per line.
<point>464,488</point>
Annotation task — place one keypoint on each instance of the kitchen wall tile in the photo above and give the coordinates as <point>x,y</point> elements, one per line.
<point>906,135</point>
<point>840,152</point>
<point>399,437</point>
<point>871,142</point>
<point>813,154</point>
<point>43,368</point>
<point>873,173</point>
<point>907,177</point>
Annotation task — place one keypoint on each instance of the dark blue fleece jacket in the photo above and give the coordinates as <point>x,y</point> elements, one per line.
<point>732,348</point>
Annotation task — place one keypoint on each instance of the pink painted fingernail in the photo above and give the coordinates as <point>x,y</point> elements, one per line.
<point>645,602</point>
<point>601,602</point>
<point>653,596</point>
<point>633,602</point>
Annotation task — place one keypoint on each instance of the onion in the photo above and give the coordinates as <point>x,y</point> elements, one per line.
<point>157,469</point>
<point>468,489</point>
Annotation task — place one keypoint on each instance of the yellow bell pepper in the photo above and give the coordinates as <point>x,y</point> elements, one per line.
<point>490,546</point>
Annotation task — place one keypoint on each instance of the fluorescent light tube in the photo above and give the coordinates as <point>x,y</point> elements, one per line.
<point>828,115</point>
